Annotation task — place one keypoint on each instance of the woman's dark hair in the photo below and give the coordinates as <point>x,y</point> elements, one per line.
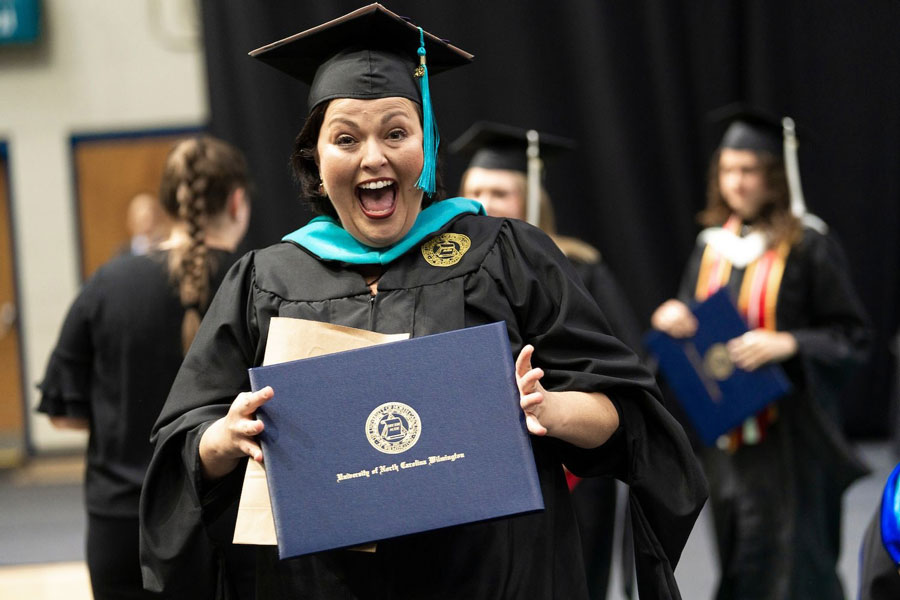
<point>775,215</point>
<point>306,173</point>
<point>199,176</point>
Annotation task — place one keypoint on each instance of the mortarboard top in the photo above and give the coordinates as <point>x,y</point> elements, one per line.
<point>498,146</point>
<point>749,128</point>
<point>368,53</point>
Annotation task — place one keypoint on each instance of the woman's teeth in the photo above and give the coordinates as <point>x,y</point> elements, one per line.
<point>375,185</point>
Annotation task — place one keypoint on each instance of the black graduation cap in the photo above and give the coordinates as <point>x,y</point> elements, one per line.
<point>749,128</point>
<point>368,53</point>
<point>498,146</point>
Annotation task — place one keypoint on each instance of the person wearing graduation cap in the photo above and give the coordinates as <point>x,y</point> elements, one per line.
<point>775,481</point>
<point>367,160</point>
<point>497,176</point>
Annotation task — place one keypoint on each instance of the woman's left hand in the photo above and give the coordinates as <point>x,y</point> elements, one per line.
<point>585,419</point>
<point>761,346</point>
<point>532,394</point>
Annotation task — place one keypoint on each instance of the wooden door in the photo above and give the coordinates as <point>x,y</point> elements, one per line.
<point>110,170</point>
<point>12,400</point>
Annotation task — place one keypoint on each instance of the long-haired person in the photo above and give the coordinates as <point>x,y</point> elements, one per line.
<point>775,481</point>
<point>123,341</point>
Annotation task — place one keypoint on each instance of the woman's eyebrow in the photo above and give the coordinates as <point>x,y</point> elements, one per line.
<point>343,120</point>
<point>391,114</point>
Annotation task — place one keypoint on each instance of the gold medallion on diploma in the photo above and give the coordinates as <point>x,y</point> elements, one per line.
<point>393,428</point>
<point>717,363</point>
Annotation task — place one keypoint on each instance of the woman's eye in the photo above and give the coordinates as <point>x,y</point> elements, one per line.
<point>397,134</point>
<point>344,140</point>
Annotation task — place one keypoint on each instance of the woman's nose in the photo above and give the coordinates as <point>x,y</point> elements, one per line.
<point>733,180</point>
<point>373,155</point>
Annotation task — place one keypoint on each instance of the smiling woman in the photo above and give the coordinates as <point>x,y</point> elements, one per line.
<point>306,166</point>
<point>387,254</point>
<point>369,154</point>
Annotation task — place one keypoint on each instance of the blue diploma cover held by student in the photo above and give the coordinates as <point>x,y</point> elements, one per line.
<point>436,440</point>
<point>716,395</point>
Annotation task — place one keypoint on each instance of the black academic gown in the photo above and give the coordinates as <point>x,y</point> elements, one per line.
<point>776,505</point>
<point>512,272</point>
<point>594,498</point>
<point>602,285</point>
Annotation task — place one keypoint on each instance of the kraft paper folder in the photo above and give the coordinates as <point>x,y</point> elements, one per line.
<point>395,439</point>
<point>715,394</point>
<point>291,339</point>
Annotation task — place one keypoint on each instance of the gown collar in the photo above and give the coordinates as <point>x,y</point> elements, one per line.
<point>740,250</point>
<point>325,238</point>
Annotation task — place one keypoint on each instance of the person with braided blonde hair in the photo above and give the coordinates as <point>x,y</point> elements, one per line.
<point>123,341</point>
<point>207,204</point>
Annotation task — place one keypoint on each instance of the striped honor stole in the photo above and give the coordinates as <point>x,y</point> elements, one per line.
<point>757,300</point>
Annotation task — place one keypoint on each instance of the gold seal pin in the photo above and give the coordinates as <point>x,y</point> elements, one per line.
<point>446,249</point>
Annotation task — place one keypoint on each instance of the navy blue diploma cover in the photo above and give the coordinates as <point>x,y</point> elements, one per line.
<point>395,439</point>
<point>715,394</point>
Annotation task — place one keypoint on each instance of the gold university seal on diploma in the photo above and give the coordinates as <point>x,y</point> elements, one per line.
<point>446,249</point>
<point>393,428</point>
<point>717,363</point>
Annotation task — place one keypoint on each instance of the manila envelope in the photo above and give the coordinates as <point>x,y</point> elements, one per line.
<point>292,339</point>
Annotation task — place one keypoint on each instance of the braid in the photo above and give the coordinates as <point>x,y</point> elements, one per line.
<point>200,175</point>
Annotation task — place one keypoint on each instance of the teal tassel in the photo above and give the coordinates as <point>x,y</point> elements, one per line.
<point>431,136</point>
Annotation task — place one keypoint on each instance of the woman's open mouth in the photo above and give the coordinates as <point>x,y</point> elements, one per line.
<point>377,198</point>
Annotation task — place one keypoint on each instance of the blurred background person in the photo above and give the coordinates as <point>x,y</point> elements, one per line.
<point>147,223</point>
<point>123,341</point>
<point>776,481</point>
<point>496,176</point>
<point>879,554</point>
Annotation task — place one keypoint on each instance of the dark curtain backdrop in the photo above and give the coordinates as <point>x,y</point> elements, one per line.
<point>632,83</point>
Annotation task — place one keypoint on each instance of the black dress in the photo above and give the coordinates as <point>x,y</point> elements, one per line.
<point>511,272</point>
<point>776,504</point>
<point>116,357</point>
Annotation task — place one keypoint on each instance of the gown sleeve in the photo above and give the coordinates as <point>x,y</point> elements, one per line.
<point>833,339</point>
<point>66,387</point>
<point>836,334</point>
<point>179,512</point>
<point>606,291</point>
<point>650,451</point>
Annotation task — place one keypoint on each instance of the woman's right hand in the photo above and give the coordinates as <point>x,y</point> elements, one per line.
<point>675,318</point>
<point>232,437</point>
